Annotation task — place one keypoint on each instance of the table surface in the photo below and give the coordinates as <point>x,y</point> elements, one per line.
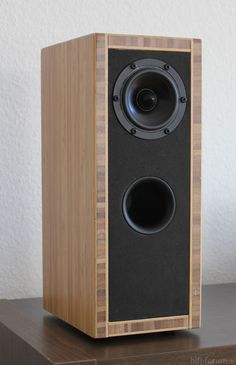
<point>30,335</point>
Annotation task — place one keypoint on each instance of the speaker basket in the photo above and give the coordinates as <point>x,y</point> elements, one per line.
<point>149,98</point>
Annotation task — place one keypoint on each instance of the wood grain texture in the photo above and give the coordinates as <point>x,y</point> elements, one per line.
<point>75,193</point>
<point>102,184</point>
<point>193,46</point>
<point>147,325</point>
<point>31,336</point>
<point>195,275</point>
<point>68,184</point>
<point>137,41</point>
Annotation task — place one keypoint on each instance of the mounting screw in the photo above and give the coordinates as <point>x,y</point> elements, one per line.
<point>133,131</point>
<point>183,99</point>
<point>133,66</point>
<point>166,131</point>
<point>166,66</point>
<point>115,97</point>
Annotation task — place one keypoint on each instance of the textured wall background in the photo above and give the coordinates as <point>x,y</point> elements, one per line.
<point>28,25</point>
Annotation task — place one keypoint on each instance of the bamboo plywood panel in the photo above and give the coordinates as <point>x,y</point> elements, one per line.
<point>132,41</point>
<point>148,325</point>
<point>68,134</point>
<point>75,193</point>
<point>195,283</point>
<point>102,184</point>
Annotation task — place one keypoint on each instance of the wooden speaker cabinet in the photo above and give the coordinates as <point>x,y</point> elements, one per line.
<point>121,183</point>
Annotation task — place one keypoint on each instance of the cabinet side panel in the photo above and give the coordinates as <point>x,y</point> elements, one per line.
<point>68,181</point>
<point>195,279</point>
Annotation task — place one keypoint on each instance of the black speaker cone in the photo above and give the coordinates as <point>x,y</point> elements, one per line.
<point>149,98</point>
<point>149,205</point>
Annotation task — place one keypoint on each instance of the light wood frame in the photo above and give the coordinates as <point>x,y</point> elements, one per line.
<point>75,183</point>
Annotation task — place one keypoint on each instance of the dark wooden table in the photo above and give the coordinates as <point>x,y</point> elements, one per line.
<point>31,336</point>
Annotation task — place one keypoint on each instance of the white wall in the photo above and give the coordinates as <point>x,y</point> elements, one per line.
<point>28,25</point>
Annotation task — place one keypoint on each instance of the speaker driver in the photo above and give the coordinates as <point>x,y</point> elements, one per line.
<point>149,205</point>
<point>149,98</point>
